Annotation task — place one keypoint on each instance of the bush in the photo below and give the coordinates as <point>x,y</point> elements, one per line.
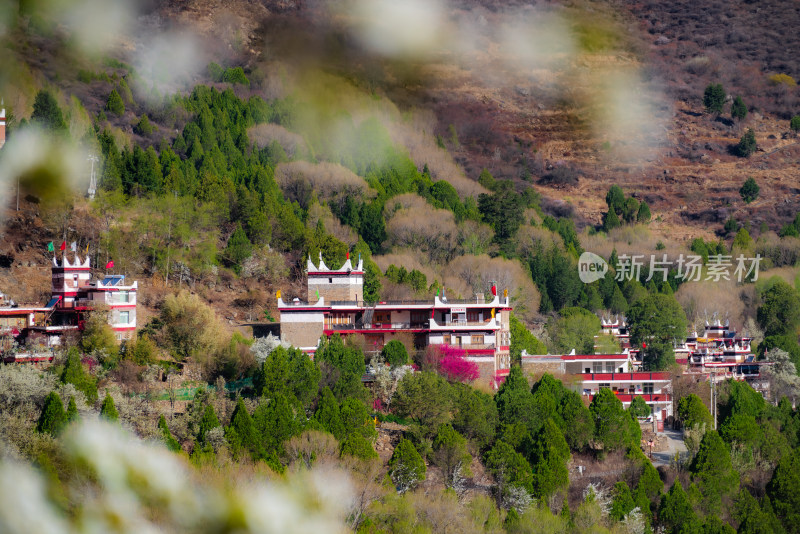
<point>782,79</point>
<point>738,109</point>
<point>749,190</point>
<point>395,354</point>
<point>144,127</point>
<point>215,72</point>
<point>794,124</point>
<point>747,144</point>
<point>235,75</point>
<point>114,104</point>
<point>714,98</point>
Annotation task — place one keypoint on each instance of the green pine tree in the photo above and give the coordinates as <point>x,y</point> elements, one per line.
<point>406,467</point>
<point>74,374</point>
<point>208,421</point>
<point>72,411</point>
<point>114,104</point>
<point>108,411</point>
<point>747,144</point>
<point>238,249</point>
<point>47,112</point>
<point>171,442</point>
<point>738,109</point>
<point>714,98</point>
<point>242,434</point>
<point>328,414</point>
<point>52,419</point>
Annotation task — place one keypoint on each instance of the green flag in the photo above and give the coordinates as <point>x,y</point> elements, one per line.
<point>50,247</point>
<point>317,293</point>
<point>437,291</point>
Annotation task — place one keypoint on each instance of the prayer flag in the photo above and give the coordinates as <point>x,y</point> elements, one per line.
<point>50,247</point>
<point>110,264</point>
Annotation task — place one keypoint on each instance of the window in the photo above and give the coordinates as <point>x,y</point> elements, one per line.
<point>477,340</point>
<point>330,280</point>
<point>647,389</point>
<point>474,317</point>
<point>446,339</point>
<point>605,386</point>
<point>609,367</point>
<point>124,317</point>
<point>597,367</point>
<point>123,296</point>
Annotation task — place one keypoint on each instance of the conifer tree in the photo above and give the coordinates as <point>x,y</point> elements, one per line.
<point>114,104</point>
<point>242,434</point>
<point>72,411</point>
<point>358,446</point>
<point>643,215</point>
<point>278,419</point>
<point>108,411</point>
<point>550,454</point>
<point>623,501</point>
<point>738,109</point>
<point>450,454</point>
<point>208,421</point>
<point>52,419</point>
<point>238,249</point>
<point>47,112</point>
<point>406,467</point>
<point>328,414</point>
<point>74,374</point>
<point>610,221</point>
<point>675,511</point>
<point>510,469</point>
<point>171,442</point>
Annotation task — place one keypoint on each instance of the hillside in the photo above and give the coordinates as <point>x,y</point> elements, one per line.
<point>459,150</point>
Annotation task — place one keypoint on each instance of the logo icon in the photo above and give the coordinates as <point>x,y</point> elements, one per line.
<point>591,267</point>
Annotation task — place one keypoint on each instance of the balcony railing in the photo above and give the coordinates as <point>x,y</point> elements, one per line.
<point>487,323</point>
<point>378,326</point>
<point>648,397</point>
<point>610,377</point>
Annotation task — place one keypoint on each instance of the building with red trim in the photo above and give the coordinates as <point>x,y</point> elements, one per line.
<point>591,372</point>
<point>476,328</point>
<point>74,293</point>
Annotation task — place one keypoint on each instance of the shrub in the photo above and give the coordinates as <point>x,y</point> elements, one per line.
<point>53,418</point>
<point>395,354</point>
<point>794,124</point>
<point>747,144</point>
<point>114,104</point>
<point>235,75</point>
<point>215,72</point>
<point>782,79</point>
<point>455,367</point>
<point>749,190</point>
<point>144,126</point>
<point>738,109</point>
<point>714,98</point>
<point>108,410</point>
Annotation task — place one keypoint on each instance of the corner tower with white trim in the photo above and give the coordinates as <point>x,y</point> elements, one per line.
<point>343,284</point>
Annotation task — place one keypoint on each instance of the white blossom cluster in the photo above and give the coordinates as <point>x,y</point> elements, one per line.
<point>140,487</point>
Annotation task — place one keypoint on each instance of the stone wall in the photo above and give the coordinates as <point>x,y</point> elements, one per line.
<point>301,334</point>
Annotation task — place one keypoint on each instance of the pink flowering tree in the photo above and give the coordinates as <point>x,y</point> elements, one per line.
<point>455,367</point>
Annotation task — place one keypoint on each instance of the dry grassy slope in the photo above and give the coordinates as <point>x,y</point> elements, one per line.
<point>507,119</point>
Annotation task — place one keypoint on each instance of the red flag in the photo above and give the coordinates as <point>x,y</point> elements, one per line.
<point>110,265</point>
<point>348,256</point>
<point>63,246</point>
<point>494,290</point>
<point>644,345</point>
